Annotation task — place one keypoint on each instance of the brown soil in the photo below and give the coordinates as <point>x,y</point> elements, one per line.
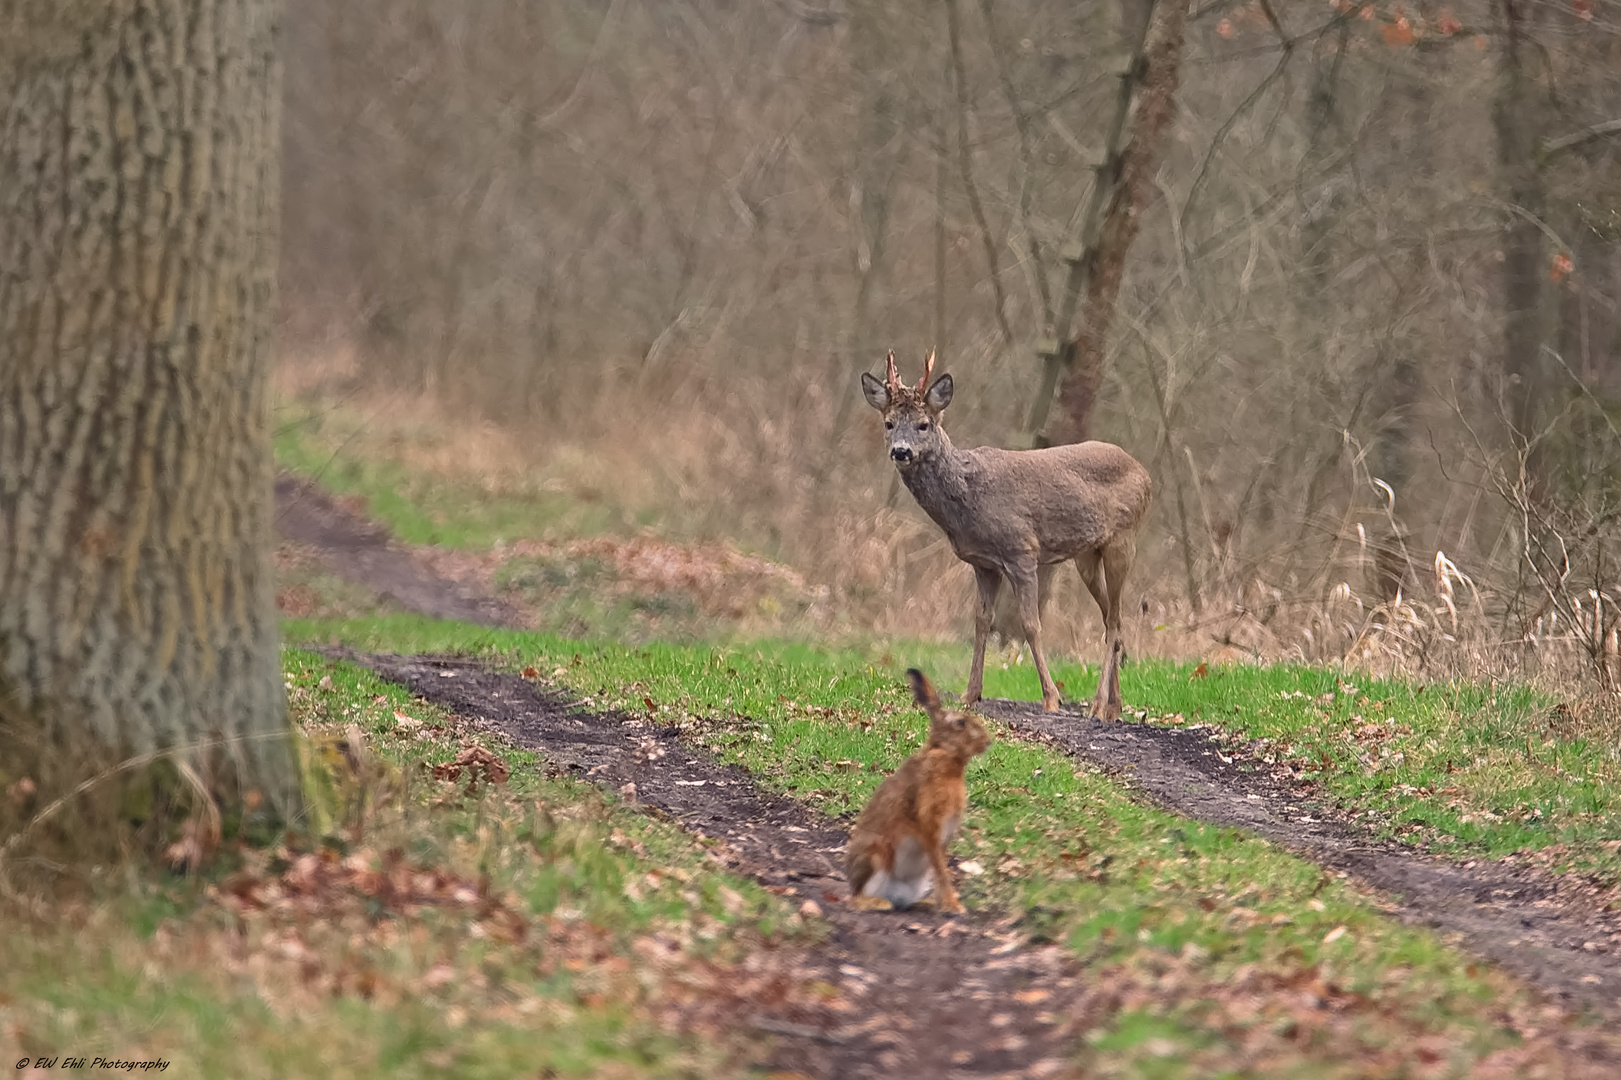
<point>363,552</point>
<point>1560,932</point>
<point>933,996</point>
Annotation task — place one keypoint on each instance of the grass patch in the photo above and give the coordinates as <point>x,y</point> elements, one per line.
<point>1170,914</point>
<point>420,507</point>
<point>1458,768</point>
<point>530,927</point>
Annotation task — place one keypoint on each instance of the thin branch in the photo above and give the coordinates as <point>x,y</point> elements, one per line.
<point>598,46</point>
<point>1021,121</point>
<point>965,164</point>
<point>1576,138</point>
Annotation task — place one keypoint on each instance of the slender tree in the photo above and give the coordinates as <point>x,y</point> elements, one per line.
<point>139,209</point>
<point>1109,223</point>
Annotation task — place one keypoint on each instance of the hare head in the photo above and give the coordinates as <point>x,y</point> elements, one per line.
<point>949,729</point>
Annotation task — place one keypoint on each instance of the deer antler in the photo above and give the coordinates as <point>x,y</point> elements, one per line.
<point>893,379</point>
<point>928,373</point>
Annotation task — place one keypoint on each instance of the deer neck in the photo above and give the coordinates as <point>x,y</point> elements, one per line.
<point>939,483</point>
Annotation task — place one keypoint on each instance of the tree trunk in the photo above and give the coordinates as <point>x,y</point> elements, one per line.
<point>1124,190</point>
<point>1519,119</point>
<point>139,215</point>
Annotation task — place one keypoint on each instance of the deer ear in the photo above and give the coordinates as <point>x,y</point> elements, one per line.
<point>939,395</point>
<point>876,393</point>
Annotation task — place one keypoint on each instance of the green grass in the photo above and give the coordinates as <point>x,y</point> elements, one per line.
<point>164,967</point>
<point>1128,887</point>
<point>1464,770</point>
<point>1459,768</point>
<point>424,509</point>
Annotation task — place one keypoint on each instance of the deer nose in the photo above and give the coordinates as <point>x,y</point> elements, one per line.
<point>901,453</point>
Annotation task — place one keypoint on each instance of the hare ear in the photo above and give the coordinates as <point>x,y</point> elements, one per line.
<point>923,691</point>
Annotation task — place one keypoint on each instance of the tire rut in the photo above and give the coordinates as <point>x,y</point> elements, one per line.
<point>1552,930</point>
<point>364,553</point>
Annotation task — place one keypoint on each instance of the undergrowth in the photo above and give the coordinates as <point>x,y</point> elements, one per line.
<point>451,910</point>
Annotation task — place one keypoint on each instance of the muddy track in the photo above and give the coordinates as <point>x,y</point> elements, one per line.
<point>932,996</point>
<point>1555,931</point>
<point>363,552</point>
<point>1551,930</point>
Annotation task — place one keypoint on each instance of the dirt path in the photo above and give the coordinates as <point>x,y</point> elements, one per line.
<point>363,553</point>
<point>1552,930</point>
<point>918,994</point>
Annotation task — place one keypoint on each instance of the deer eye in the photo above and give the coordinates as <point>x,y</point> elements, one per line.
<point>923,425</point>
<point>889,425</point>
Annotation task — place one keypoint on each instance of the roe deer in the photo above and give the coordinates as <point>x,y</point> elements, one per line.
<point>1011,513</point>
<point>897,851</point>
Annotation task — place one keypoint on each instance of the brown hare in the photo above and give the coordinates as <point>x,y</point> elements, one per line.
<point>897,850</point>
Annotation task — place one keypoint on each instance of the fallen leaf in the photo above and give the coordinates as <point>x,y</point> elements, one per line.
<point>530,673</point>
<point>1334,935</point>
<point>1399,33</point>
<point>1200,672</point>
<point>479,765</point>
<point>972,867</point>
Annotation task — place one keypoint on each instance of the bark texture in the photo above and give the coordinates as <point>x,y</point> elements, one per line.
<point>139,212</point>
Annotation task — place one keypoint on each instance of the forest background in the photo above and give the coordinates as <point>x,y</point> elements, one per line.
<point>1367,337</point>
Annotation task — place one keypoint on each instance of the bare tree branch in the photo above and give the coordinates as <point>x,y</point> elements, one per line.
<point>965,163</point>
<point>1576,138</point>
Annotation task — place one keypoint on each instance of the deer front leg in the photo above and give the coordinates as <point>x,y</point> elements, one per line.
<point>1026,585</point>
<point>990,583</point>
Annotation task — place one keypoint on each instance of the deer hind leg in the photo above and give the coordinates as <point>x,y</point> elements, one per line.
<point>1118,555</point>
<point>1090,564</point>
<point>990,583</point>
<point>1026,584</point>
